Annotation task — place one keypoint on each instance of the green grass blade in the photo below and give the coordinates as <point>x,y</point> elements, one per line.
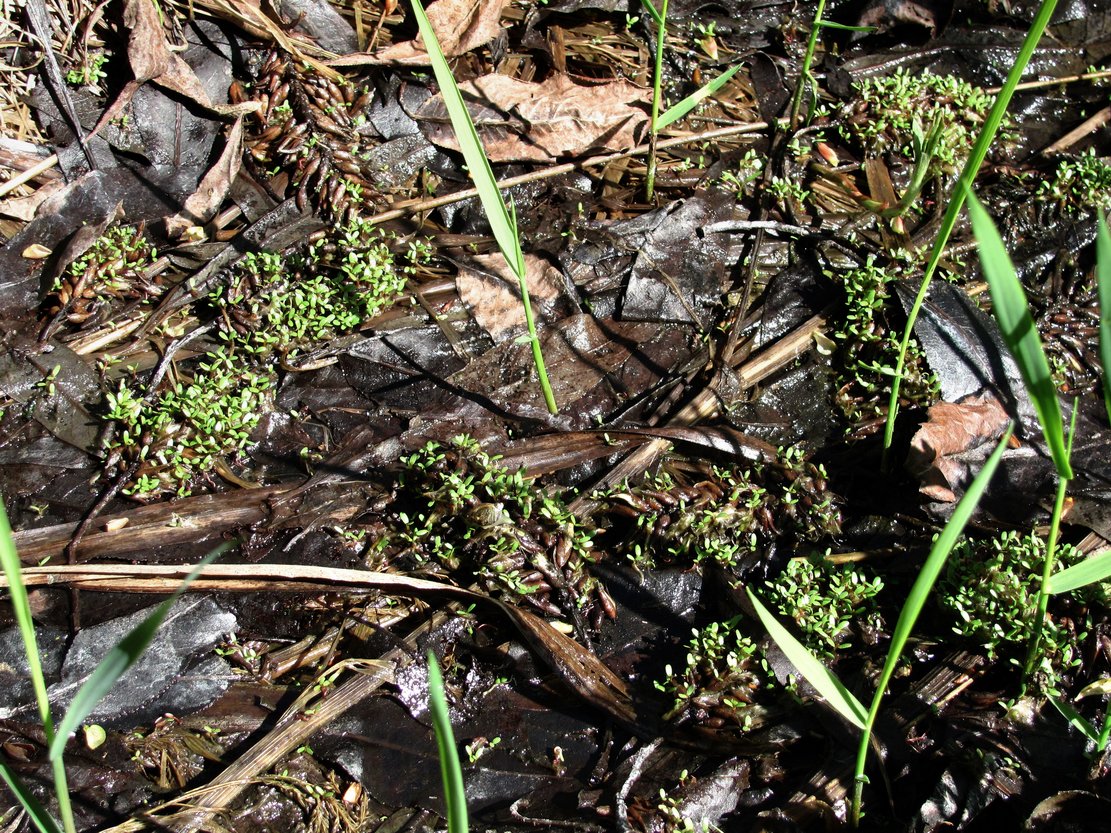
<point>916,600</point>
<point>677,111</point>
<point>1103,279</point>
<point>455,796</point>
<point>1009,305</point>
<point>1088,571</point>
<point>35,811</point>
<point>1075,718</point>
<point>501,223</point>
<point>120,658</point>
<point>653,11</point>
<point>823,680</point>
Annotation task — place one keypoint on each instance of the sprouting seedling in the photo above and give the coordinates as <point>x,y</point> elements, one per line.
<point>677,111</point>
<point>806,74</point>
<point>1103,281</point>
<point>502,218</point>
<point>450,769</point>
<point>826,683</point>
<point>976,158</point>
<point>114,665</point>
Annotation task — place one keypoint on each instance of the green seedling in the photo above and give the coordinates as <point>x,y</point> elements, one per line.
<point>450,769</point>
<point>661,120</point>
<point>826,683</point>
<point>1079,184</point>
<point>106,674</point>
<point>1103,280</point>
<point>806,74</point>
<point>1098,736</point>
<point>976,156</point>
<point>502,218</point>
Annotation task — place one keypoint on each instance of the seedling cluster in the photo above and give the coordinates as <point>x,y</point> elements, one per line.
<point>1080,185</point>
<point>990,588</point>
<point>888,110</point>
<point>730,516</point>
<point>464,515</point>
<point>273,306</point>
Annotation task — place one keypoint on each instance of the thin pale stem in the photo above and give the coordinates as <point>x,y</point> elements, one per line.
<point>657,94</point>
<point>807,61</point>
<point>1043,591</point>
<point>537,355</point>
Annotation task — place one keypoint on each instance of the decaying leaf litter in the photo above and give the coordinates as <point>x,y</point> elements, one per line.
<point>242,297</point>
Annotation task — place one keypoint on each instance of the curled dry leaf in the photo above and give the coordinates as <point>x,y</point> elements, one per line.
<point>491,291</point>
<point>461,25</point>
<point>210,193</point>
<point>36,251</point>
<point>944,451</point>
<point>519,121</point>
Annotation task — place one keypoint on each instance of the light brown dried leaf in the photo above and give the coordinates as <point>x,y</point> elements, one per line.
<point>491,291</point>
<point>519,121</point>
<point>461,25</point>
<point>939,450</point>
<point>210,193</point>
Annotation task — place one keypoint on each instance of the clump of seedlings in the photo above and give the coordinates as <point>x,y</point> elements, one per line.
<point>312,129</point>
<point>991,589</point>
<point>869,348</point>
<point>1079,185</point>
<point>731,516</point>
<point>470,519</point>
<point>720,684</point>
<point>886,113</point>
<point>274,305</point>
<point>115,267</point>
<point>831,605</point>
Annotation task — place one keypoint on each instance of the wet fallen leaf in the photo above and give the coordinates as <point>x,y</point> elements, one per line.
<point>519,121</point>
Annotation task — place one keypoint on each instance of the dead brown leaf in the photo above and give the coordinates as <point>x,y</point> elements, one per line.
<point>460,25</point>
<point>520,121</point>
<point>210,193</point>
<point>938,449</point>
<point>152,60</point>
<point>490,289</point>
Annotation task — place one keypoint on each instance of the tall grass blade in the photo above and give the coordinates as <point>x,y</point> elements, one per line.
<point>1088,571</point>
<point>1075,718</point>
<point>976,158</point>
<point>677,111</point>
<point>503,221</point>
<point>454,794</point>
<point>916,600</point>
<point>825,682</point>
<point>120,658</point>
<point>21,607</point>
<point>1103,281</point>
<point>1008,301</point>
<point>35,811</point>
<point>652,10</point>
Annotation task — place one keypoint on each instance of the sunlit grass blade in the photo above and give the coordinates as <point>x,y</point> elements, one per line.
<point>121,657</point>
<point>1088,571</point>
<point>454,794</point>
<point>1008,301</point>
<point>677,111</point>
<point>1075,718</point>
<point>1103,280</point>
<point>919,595</point>
<point>21,607</point>
<point>503,221</point>
<point>35,811</point>
<point>652,10</point>
<point>823,680</point>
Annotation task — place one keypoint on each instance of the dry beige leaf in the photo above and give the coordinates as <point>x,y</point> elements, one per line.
<point>36,251</point>
<point>519,121</point>
<point>490,289</point>
<point>938,450</point>
<point>210,193</point>
<point>460,26</point>
<point>151,60</point>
